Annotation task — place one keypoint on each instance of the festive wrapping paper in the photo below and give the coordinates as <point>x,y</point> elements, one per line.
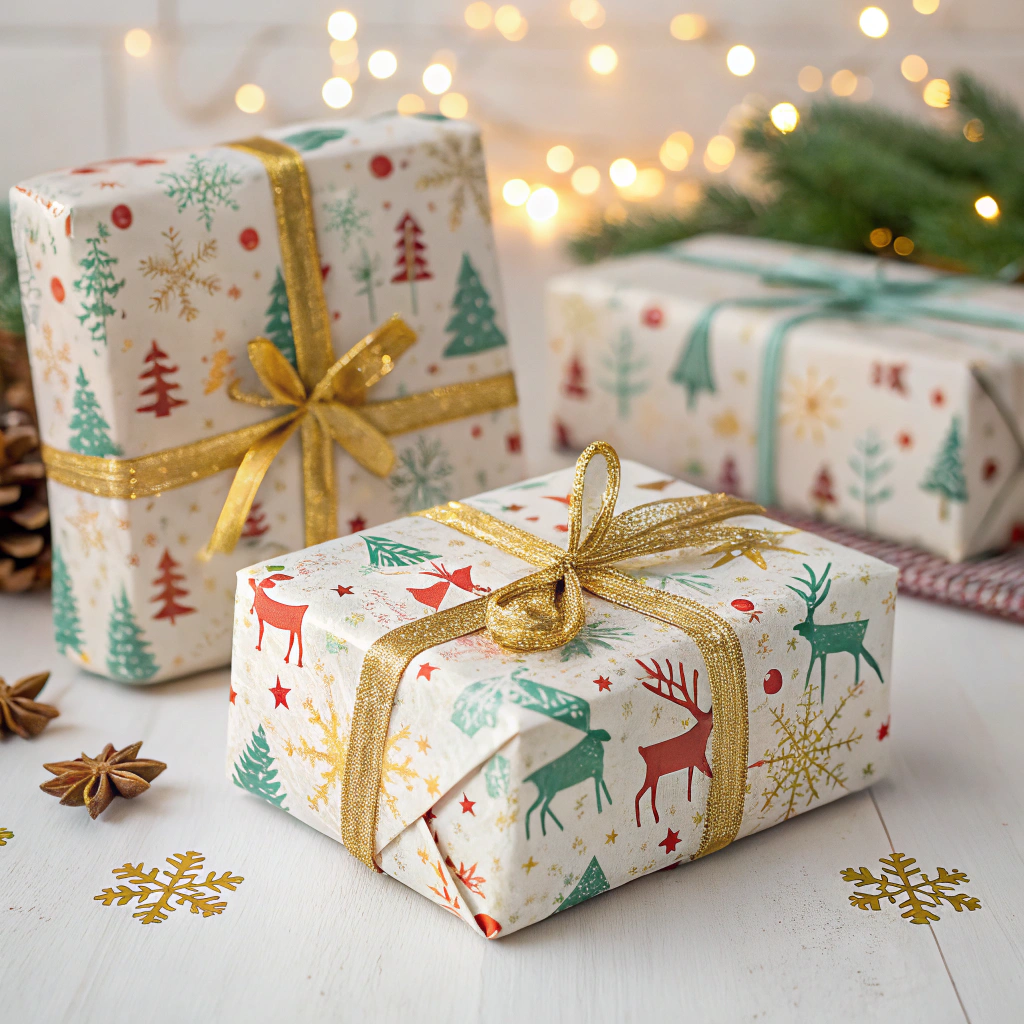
<point>480,738</point>
<point>142,282</point>
<point>907,429</point>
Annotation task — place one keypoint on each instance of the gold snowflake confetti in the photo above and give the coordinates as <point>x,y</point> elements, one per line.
<point>922,895</point>
<point>157,898</point>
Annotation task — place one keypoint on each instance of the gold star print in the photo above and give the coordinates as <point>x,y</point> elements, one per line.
<point>89,534</point>
<point>423,744</point>
<point>791,643</point>
<point>611,837</point>
<point>219,336</point>
<point>424,855</point>
<point>433,787</point>
<point>529,865</point>
<point>752,548</point>
<point>655,485</point>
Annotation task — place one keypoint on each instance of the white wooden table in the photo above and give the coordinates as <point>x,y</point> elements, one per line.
<point>760,931</point>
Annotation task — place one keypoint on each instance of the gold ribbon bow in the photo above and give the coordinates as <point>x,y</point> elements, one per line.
<point>546,609</point>
<point>328,396</point>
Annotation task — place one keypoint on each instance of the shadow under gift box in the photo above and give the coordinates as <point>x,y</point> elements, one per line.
<point>517,785</point>
<point>900,423</point>
<point>143,281</point>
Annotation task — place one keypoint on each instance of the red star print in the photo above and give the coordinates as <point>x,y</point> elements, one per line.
<point>670,842</point>
<point>343,591</point>
<point>234,292</point>
<point>514,443</point>
<point>280,694</point>
<point>425,669</point>
<point>904,440</point>
<point>938,397</point>
<point>883,729</point>
<point>433,368</point>
<point>513,508</point>
<point>232,694</point>
<point>356,524</point>
<point>558,497</point>
<point>603,683</point>
<point>430,815</point>
<point>467,805</point>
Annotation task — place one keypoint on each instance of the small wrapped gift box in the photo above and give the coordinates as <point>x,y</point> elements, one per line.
<point>516,702</point>
<point>240,349</point>
<point>880,396</point>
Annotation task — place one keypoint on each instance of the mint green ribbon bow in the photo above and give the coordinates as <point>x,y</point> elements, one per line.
<point>826,293</point>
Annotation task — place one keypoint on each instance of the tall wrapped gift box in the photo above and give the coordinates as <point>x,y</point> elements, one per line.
<point>880,396</point>
<point>714,675</point>
<point>144,281</point>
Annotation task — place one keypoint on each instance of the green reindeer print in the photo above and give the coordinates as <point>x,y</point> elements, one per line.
<point>834,638</point>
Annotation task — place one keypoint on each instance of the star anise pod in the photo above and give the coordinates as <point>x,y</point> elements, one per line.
<point>19,712</point>
<point>95,781</point>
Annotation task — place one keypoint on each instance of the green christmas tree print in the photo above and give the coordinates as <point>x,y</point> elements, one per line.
<point>128,655</point>
<point>313,138</point>
<point>498,776</point>
<point>594,634</point>
<point>278,327</point>
<point>870,466</point>
<point>624,366</point>
<point>98,285</point>
<point>89,430</point>
<point>421,477</point>
<point>593,883</point>
<point>471,325</point>
<point>364,273</point>
<point>67,626</point>
<point>946,475</point>
<point>386,552</point>
<point>693,371</point>
<point>205,185</point>
<point>255,772</point>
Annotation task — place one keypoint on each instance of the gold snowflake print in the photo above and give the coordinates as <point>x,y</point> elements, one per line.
<point>461,166</point>
<point>809,404</point>
<point>89,534</point>
<point>922,895</point>
<point>802,764</point>
<point>5,834</point>
<point>178,274</point>
<point>52,359</point>
<point>726,424</point>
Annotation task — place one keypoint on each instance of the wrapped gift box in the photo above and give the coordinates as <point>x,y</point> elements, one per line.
<point>517,785</point>
<point>898,416</point>
<point>143,280</point>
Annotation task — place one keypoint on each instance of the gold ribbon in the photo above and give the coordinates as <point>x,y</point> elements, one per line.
<point>546,609</point>
<point>328,396</point>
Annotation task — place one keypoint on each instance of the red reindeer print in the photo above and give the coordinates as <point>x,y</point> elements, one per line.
<point>432,596</point>
<point>687,751</point>
<point>283,616</point>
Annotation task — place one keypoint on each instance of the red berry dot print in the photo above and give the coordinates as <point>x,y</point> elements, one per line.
<point>741,604</point>
<point>249,239</point>
<point>121,217</point>
<point>381,166</point>
<point>652,316</point>
<point>477,430</point>
<point>57,288</point>
<point>989,469</point>
<point>773,681</point>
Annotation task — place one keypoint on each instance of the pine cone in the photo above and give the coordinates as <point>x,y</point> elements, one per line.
<point>24,514</point>
<point>20,712</point>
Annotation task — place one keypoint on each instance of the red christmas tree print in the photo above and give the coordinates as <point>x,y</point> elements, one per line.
<point>170,589</point>
<point>822,492</point>
<point>411,263</point>
<point>729,480</point>
<point>575,385</point>
<point>255,522</point>
<point>163,401</point>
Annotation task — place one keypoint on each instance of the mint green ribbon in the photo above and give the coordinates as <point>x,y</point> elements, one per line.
<point>827,293</point>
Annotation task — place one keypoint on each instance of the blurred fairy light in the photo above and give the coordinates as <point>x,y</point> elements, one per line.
<point>650,181</point>
<point>350,72</point>
<point>589,13</point>
<point>622,172</point>
<point>675,151</point>
<point>974,130</point>
<point>542,204</point>
<point>874,22</point>
<point>987,207</point>
<point>515,192</point>
<point>880,237</point>
<point>437,79</point>
<point>688,27</point>
<point>903,246</point>
<point>510,23</point>
<point>249,98</point>
<point>844,82</point>
<point>586,180</point>
<point>936,93</point>
<point>719,153</point>
<point>913,68</point>
<point>560,159</point>
<point>344,51</point>
<point>337,93</point>
<point>603,59</point>
<point>454,105</point>
<point>926,6</point>
<point>479,15</point>
<point>740,60</point>
<point>137,42</point>
<point>410,104</point>
<point>810,78</point>
<point>382,64</point>
<point>342,25</point>
<point>785,116</point>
